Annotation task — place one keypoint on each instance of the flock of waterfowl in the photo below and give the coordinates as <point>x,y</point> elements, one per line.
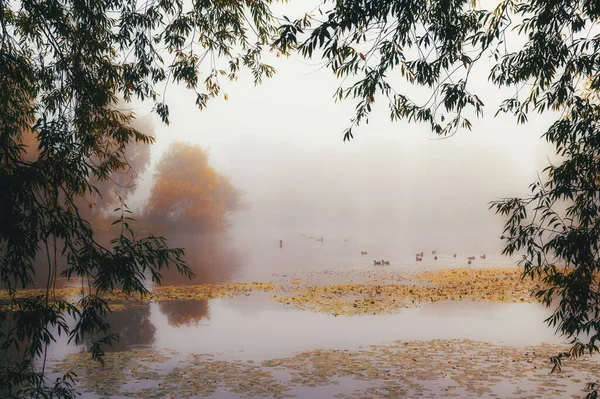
<point>313,238</point>
<point>419,258</point>
<point>380,263</point>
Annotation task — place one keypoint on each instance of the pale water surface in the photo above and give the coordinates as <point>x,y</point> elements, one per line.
<point>257,328</point>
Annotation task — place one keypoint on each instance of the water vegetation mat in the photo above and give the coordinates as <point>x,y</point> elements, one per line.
<point>360,293</point>
<point>430,369</point>
<point>388,294</point>
<point>162,293</point>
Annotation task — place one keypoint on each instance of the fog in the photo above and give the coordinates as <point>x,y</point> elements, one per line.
<point>394,190</point>
<point>281,144</point>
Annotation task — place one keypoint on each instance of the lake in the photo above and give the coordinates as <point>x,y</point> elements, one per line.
<point>250,330</point>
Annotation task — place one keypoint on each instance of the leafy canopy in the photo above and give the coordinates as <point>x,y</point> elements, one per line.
<point>548,51</point>
<point>64,67</point>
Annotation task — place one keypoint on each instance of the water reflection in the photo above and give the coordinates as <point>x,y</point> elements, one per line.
<point>14,353</point>
<point>270,330</point>
<point>184,313</point>
<point>134,326</point>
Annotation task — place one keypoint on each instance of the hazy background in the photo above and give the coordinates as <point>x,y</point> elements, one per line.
<point>281,143</point>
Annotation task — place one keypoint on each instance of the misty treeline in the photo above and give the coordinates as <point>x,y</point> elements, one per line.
<point>187,195</point>
<point>188,204</point>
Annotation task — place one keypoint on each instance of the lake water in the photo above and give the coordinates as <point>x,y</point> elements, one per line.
<point>256,328</point>
<point>255,255</point>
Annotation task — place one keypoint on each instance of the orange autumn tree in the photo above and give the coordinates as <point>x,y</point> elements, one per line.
<point>188,192</point>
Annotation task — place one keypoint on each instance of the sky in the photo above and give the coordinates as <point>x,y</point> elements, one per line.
<point>282,144</point>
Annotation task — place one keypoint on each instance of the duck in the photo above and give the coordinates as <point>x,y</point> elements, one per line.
<point>364,253</point>
<point>470,261</point>
<point>482,256</point>
<point>471,258</point>
<point>434,252</point>
<point>320,239</point>
<point>418,259</point>
<point>419,255</point>
<point>455,255</point>
<point>435,257</point>
<point>385,262</point>
<point>376,263</point>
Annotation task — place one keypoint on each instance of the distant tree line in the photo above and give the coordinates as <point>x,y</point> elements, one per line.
<point>187,195</point>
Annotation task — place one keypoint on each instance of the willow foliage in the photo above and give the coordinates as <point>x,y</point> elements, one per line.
<point>548,51</point>
<point>64,67</point>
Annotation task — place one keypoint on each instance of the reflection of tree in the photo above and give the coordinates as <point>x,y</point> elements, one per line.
<point>211,257</point>
<point>183,312</point>
<point>11,355</point>
<point>135,328</point>
<point>133,325</point>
